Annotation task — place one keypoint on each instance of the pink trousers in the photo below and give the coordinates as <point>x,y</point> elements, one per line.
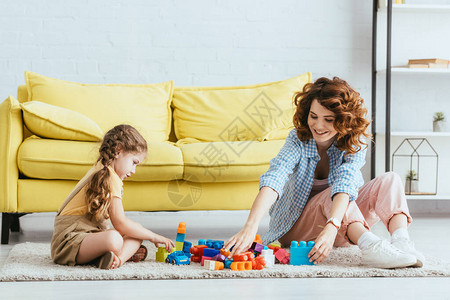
<point>379,199</point>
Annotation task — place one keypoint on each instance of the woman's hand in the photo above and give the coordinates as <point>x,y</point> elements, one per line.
<point>323,244</point>
<point>242,240</point>
<point>159,239</point>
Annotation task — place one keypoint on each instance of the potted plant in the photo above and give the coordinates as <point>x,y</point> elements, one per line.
<point>412,183</point>
<point>438,121</point>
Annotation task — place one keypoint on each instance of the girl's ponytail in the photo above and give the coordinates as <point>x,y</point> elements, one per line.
<point>120,138</point>
<point>98,194</point>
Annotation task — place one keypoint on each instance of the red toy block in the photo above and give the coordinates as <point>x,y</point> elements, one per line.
<point>258,263</point>
<point>274,248</point>
<point>241,266</point>
<point>197,253</point>
<point>282,256</point>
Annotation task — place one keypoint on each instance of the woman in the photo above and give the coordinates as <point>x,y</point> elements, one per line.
<point>313,185</point>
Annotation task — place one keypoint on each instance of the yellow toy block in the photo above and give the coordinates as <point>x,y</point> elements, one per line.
<point>161,254</point>
<point>179,246</point>
<point>275,244</point>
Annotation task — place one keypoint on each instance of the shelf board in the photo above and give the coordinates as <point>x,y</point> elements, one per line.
<point>428,197</point>
<point>416,71</point>
<point>437,8</point>
<point>417,133</point>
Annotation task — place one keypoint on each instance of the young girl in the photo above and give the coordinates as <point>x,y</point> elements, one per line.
<point>313,185</point>
<point>81,235</point>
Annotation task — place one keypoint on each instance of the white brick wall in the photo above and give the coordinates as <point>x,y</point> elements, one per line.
<point>194,42</point>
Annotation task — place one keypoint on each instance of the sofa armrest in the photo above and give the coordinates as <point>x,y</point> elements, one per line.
<point>11,136</point>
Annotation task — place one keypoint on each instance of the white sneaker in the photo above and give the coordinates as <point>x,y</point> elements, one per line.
<point>407,246</point>
<point>383,255</point>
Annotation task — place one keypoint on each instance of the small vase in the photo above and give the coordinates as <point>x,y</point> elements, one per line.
<point>411,186</point>
<point>438,126</point>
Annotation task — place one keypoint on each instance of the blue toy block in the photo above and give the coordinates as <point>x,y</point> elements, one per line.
<point>216,244</point>
<point>299,253</point>
<point>209,252</point>
<point>187,247</point>
<point>201,242</point>
<point>227,263</point>
<point>180,237</point>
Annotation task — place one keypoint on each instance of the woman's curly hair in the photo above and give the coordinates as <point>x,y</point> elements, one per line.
<point>337,96</point>
<point>121,138</point>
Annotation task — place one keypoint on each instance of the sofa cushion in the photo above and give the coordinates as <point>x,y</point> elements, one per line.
<point>228,161</point>
<point>61,159</point>
<point>240,113</point>
<point>55,122</point>
<point>144,106</point>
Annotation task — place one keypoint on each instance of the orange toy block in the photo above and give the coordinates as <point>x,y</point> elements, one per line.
<point>258,239</point>
<point>244,256</point>
<point>241,266</point>
<point>181,228</point>
<point>213,265</point>
<point>225,253</point>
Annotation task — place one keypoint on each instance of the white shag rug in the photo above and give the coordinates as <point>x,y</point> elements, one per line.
<point>31,261</point>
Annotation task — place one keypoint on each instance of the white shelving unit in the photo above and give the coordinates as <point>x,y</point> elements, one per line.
<point>416,71</point>
<point>426,8</point>
<point>415,10</point>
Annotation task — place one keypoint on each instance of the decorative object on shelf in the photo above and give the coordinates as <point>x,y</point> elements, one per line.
<point>438,121</point>
<point>429,63</point>
<point>416,158</point>
<point>411,184</point>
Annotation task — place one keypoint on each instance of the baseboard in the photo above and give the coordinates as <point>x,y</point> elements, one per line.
<point>427,207</point>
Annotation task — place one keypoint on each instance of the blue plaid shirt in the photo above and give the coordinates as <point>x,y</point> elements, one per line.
<point>291,175</point>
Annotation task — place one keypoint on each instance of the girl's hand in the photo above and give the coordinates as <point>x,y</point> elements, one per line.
<point>323,244</point>
<point>159,239</point>
<point>242,240</point>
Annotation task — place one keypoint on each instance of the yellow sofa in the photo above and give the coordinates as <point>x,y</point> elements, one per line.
<point>208,146</point>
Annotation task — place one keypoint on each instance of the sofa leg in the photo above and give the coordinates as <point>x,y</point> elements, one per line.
<point>10,221</point>
<point>6,225</point>
<point>15,222</point>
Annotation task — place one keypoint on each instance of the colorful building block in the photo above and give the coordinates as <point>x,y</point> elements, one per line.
<point>258,263</point>
<point>213,265</point>
<point>268,257</point>
<point>214,244</point>
<point>197,253</point>
<point>257,247</point>
<point>201,242</point>
<point>258,239</point>
<point>210,252</point>
<point>161,254</point>
<point>241,265</point>
<point>299,253</point>
<point>187,247</point>
<point>204,258</point>
<point>219,257</point>
<point>246,256</point>
<point>181,231</point>
<point>274,245</point>
<point>179,246</point>
<point>224,252</point>
<point>228,263</point>
<point>282,256</point>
